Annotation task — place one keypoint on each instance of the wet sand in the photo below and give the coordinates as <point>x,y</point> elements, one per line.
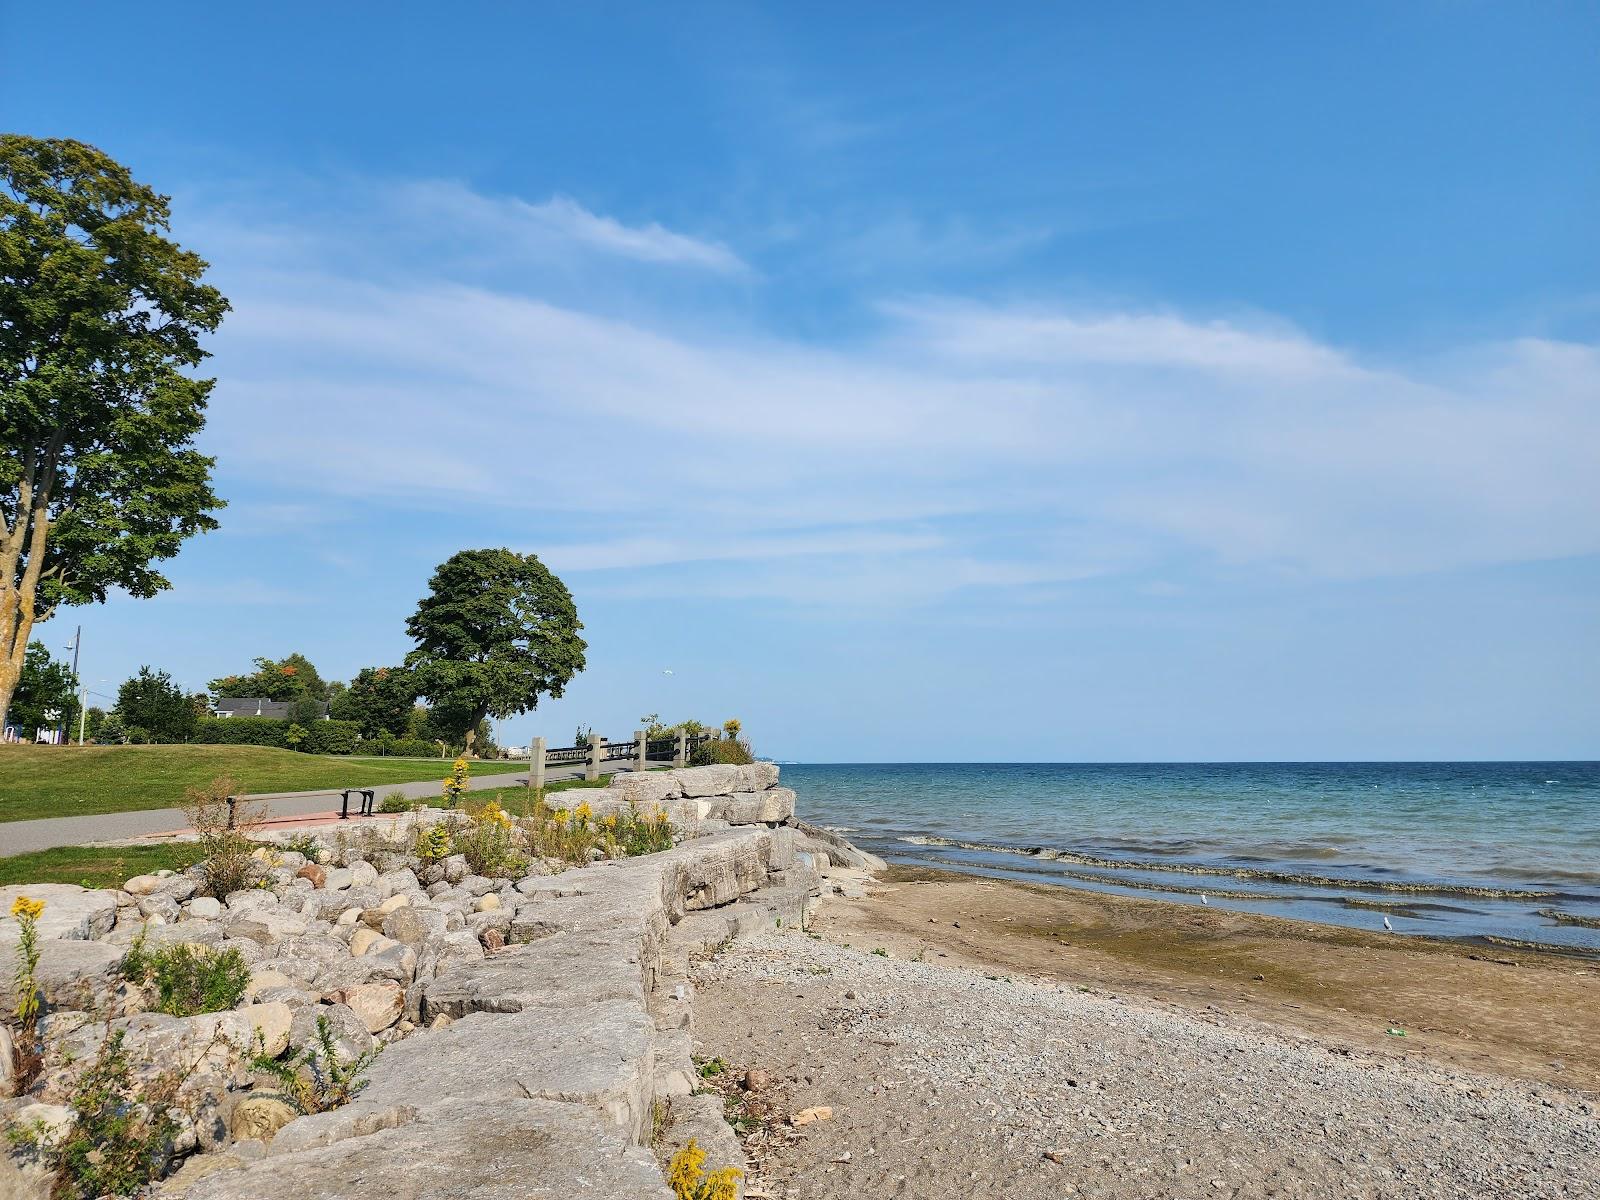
<point>1486,1008</point>
<point>968,1037</point>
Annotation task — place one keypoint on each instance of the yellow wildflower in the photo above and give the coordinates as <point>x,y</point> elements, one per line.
<point>683,1172</point>
<point>723,1184</point>
<point>24,907</point>
<point>583,811</point>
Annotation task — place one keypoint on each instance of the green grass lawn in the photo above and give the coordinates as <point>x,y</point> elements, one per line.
<point>69,781</point>
<point>95,866</point>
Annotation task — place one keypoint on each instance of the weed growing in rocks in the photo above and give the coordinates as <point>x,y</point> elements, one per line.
<point>28,1058</point>
<point>122,1133</point>
<point>318,1078</point>
<point>487,840</point>
<point>188,979</point>
<point>455,784</point>
<point>688,1180</point>
<point>305,845</point>
<point>629,833</point>
<point>225,832</point>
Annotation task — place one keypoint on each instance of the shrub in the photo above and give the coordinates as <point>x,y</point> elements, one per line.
<point>225,835</point>
<point>122,1134</point>
<point>397,802</point>
<point>188,979</point>
<point>400,747</point>
<point>318,1078</point>
<point>295,735</point>
<point>241,731</point>
<point>732,751</point>
<point>331,737</point>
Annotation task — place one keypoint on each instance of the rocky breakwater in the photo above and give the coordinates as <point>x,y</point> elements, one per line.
<point>535,1029</point>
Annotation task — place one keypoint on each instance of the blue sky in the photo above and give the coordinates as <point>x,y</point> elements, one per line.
<point>1114,383</point>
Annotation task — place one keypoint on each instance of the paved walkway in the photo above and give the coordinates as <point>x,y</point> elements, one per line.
<point>22,837</point>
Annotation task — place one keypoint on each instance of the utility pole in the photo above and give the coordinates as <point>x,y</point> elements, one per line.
<point>63,734</point>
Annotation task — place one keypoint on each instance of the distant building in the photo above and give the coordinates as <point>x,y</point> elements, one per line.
<point>260,706</point>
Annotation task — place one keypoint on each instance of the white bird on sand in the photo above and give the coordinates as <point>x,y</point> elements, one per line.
<point>1203,899</point>
<point>1388,926</point>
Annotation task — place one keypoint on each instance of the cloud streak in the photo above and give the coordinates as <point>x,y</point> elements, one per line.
<point>964,445</point>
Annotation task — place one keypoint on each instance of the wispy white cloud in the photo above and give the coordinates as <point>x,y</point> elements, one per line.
<point>518,224</point>
<point>966,445</point>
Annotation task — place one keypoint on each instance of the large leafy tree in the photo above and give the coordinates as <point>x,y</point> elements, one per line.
<point>496,632</point>
<point>100,315</point>
<point>152,702</point>
<point>46,687</point>
<point>292,678</point>
<point>379,699</point>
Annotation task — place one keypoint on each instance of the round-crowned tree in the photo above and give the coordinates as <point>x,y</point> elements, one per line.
<point>496,631</point>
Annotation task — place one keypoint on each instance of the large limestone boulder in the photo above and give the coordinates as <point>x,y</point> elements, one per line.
<point>717,780</point>
<point>517,1147</point>
<point>650,787</point>
<point>770,807</point>
<point>378,1005</point>
<point>70,912</point>
<point>71,974</point>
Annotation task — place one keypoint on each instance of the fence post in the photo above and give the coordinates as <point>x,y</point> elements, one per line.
<point>680,756</point>
<point>597,748</point>
<point>536,766</point>
<point>641,743</point>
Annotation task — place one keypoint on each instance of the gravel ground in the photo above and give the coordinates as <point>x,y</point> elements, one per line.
<point>947,1083</point>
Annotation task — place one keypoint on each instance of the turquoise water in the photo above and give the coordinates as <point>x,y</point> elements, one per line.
<point>1472,850</point>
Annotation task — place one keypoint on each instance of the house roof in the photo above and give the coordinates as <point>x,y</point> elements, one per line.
<point>258,706</point>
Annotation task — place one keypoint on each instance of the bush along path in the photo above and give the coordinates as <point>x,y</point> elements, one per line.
<point>469,997</point>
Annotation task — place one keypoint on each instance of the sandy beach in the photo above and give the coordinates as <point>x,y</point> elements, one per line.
<point>974,1037</point>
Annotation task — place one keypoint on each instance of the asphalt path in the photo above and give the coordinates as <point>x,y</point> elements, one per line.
<point>23,837</point>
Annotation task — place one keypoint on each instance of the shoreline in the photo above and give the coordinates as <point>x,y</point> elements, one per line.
<point>968,1036</point>
<point>1523,1013</point>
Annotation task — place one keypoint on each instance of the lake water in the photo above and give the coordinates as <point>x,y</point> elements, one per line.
<point>1474,850</point>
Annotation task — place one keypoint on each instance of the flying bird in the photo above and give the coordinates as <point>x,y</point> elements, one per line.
<point>667,671</point>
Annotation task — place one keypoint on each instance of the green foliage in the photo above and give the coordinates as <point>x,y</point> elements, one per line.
<point>400,748</point>
<point>305,845</point>
<point>188,979</point>
<point>379,700</point>
<point>396,802</point>
<point>306,711</point>
<point>241,731</point>
<point>320,737</point>
<point>152,702</point>
<point>122,1134</point>
<point>331,737</point>
<point>112,731</point>
<point>46,686</point>
<point>294,736</point>
<point>102,316</point>
<point>26,913</point>
<point>318,1078</point>
<point>292,678</point>
<point>496,632</point>
<point>487,839</point>
<point>731,751</point>
<point>225,835</point>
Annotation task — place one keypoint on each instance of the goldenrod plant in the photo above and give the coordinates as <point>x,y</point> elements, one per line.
<point>455,784</point>
<point>27,913</point>
<point>687,1178</point>
<point>318,1077</point>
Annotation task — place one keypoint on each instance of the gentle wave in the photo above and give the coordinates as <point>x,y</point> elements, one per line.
<point>1300,878</point>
